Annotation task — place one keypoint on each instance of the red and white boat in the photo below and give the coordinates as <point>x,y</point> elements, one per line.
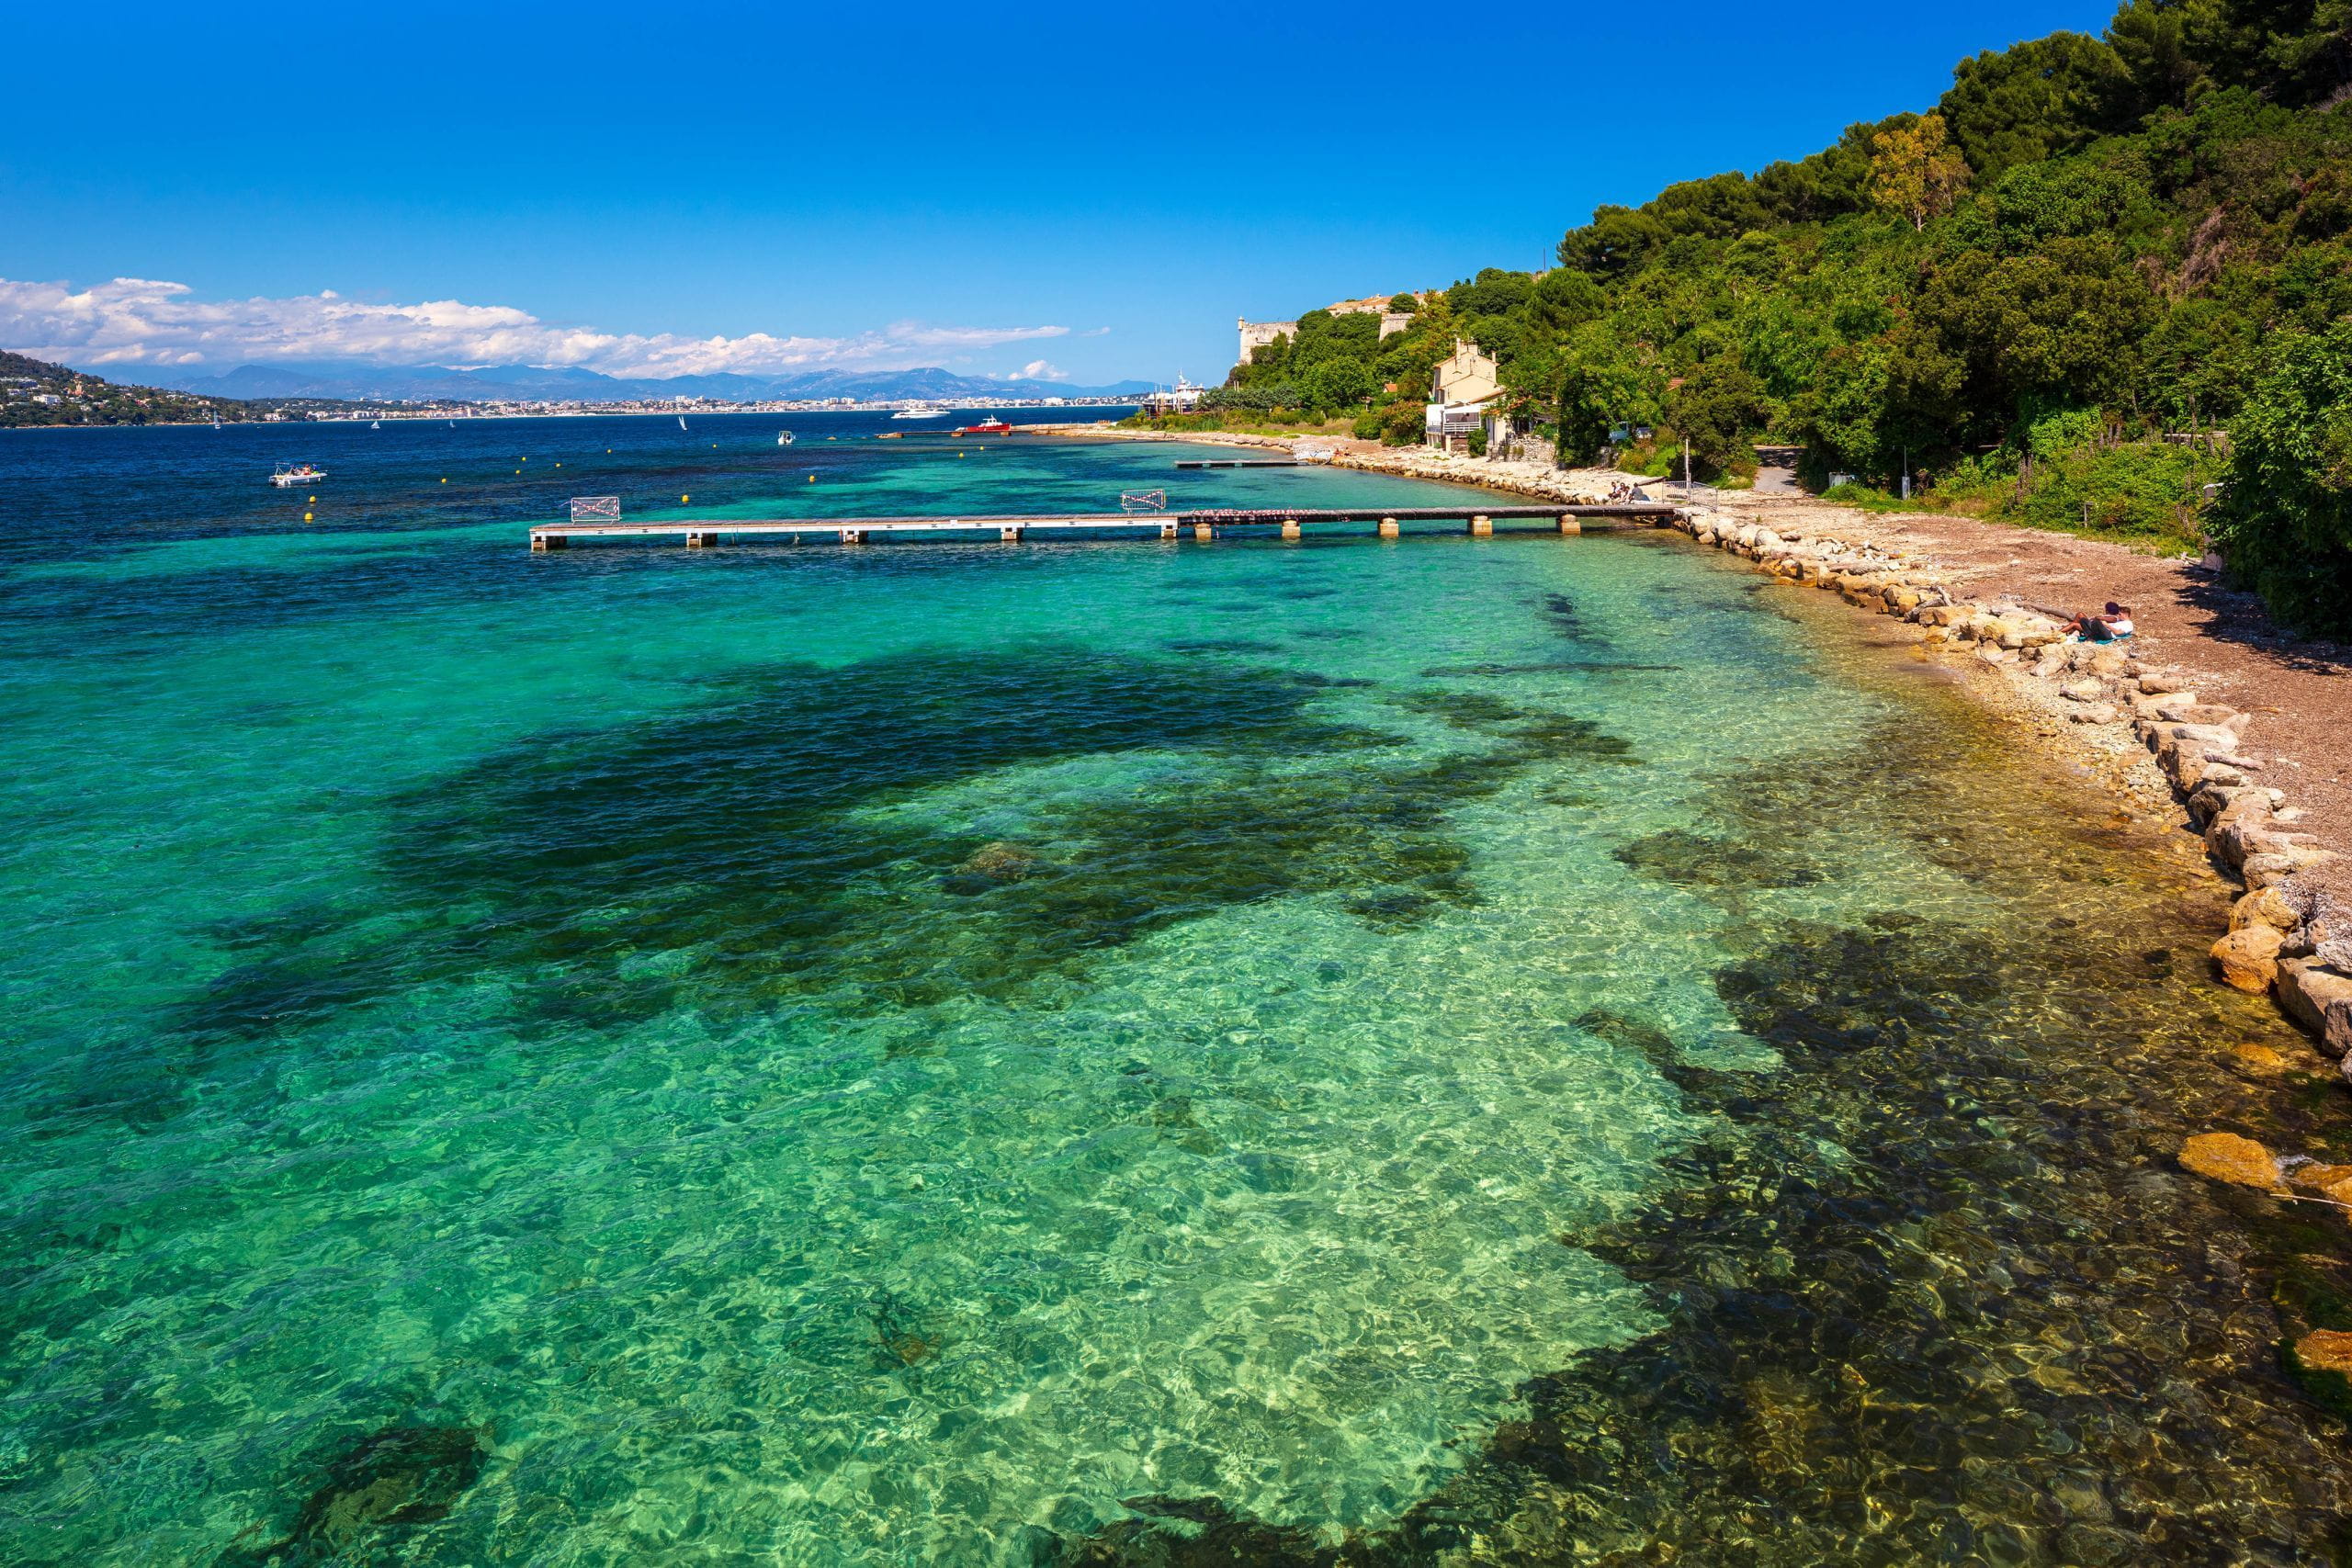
<point>986,427</point>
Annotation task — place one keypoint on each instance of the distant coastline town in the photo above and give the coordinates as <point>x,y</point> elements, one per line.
<point>38,393</point>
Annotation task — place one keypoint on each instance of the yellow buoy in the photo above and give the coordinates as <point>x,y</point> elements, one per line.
<point>559,465</point>
<point>683,499</point>
<point>445,481</point>
<point>813,479</point>
<point>306,517</point>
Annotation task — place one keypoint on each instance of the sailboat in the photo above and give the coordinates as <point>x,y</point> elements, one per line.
<point>682,422</point>
<point>216,422</point>
<point>375,424</point>
<point>784,438</point>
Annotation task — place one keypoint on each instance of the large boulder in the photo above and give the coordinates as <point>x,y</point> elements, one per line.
<point>2265,907</point>
<point>2225,1156</point>
<point>2247,958</point>
<point>2325,1350</point>
<point>2318,996</point>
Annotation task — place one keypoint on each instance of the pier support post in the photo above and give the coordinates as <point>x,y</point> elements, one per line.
<point>853,536</point>
<point>1009,535</point>
<point>1388,529</point>
<point>1168,530</point>
<point>1482,526</point>
<point>1202,532</point>
<point>696,541</point>
<point>1569,525</point>
<point>1290,528</point>
<point>546,541</point>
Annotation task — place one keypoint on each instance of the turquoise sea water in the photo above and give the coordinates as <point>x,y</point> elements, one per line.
<point>1058,1053</point>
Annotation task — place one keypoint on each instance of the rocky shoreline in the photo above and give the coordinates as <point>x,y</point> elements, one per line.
<point>2288,934</point>
<point>2284,938</point>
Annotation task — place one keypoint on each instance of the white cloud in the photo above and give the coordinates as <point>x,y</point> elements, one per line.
<point>1039,370</point>
<point>133,320</point>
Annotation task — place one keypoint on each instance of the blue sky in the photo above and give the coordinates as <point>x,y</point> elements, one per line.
<point>1090,192</point>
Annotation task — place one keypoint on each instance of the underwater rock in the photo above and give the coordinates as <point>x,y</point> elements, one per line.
<point>2248,958</point>
<point>1001,861</point>
<point>2327,1350</point>
<point>389,1480</point>
<point>2259,1059</point>
<point>2226,1156</point>
<point>2329,1180</point>
<point>1187,1532</point>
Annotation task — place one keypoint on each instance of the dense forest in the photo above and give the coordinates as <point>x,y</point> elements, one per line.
<point>33,392</point>
<point>2104,283</point>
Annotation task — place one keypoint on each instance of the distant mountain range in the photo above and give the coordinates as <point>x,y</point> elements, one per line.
<point>542,384</point>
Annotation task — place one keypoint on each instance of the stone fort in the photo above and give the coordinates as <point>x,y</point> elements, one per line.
<point>1257,334</point>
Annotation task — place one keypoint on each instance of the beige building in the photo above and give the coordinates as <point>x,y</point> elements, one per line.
<point>1465,376</point>
<point>1462,398</point>
<point>1255,336</point>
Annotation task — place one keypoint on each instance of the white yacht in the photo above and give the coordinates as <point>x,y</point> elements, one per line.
<point>919,410</point>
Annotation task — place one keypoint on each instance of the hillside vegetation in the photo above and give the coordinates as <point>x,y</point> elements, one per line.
<point>34,391</point>
<point>2042,296</point>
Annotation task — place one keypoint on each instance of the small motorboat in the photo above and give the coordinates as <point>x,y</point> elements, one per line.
<point>300,473</point>
<point>784,438</point>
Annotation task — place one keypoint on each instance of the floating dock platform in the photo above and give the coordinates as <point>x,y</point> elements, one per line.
<point>1288,523</point>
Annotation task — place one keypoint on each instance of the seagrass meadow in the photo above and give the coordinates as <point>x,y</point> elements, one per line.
<point>1513,1050</point>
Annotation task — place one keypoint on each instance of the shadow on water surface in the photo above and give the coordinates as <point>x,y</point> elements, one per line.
<point>733,855</point>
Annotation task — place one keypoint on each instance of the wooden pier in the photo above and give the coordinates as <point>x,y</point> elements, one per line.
<point>1242,463</point>
<point>1288,523</point>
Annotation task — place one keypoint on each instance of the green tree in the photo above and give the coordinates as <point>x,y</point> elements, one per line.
<point>2036,100</point>
<point>1717,409</point>
<point>2286,518</point>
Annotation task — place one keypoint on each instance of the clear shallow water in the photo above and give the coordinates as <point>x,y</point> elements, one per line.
<point>1060,1052</point>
